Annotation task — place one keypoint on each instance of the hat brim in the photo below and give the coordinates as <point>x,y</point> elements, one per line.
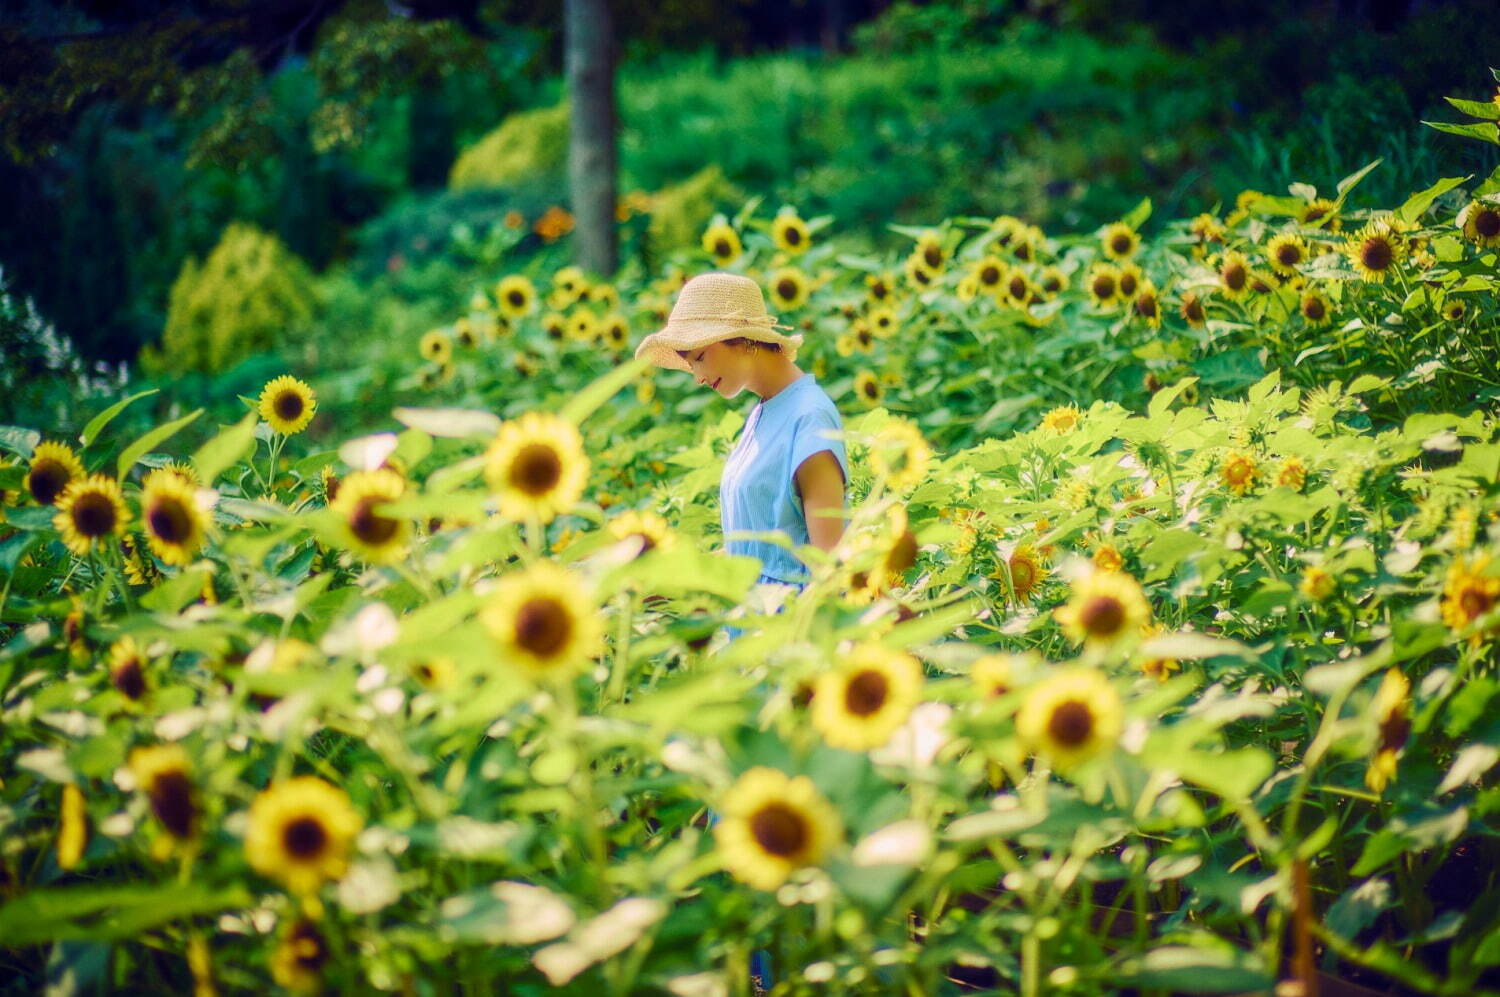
<point>661,347</point>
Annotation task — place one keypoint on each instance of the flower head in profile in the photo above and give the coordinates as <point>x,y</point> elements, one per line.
<point>54,466</point>
<point>299,833</point>
<point>1392,711</point>
<point>1480,222</point>
<point>89,511</point>
<point>1471,591</point>
<point>1071,717</point>
<point>772,825</point>
<point>536,467</point>
<point>288,405</point>
<point>164,773</point>
<point>544,621</point>
<point>858,705</point>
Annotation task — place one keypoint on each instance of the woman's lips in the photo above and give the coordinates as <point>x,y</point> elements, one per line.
<point>716,383</point>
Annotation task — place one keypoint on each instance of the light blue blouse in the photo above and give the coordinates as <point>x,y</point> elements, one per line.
<point>758,492</point>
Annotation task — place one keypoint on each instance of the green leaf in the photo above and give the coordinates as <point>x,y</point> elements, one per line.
<point>109,912</point>
<point>1188,969</point>
<point>1358,908</point>
<point>586,401</point>
<point>19,440</point>
<point>455,423</point>
<point>1485,109</point>
<point>98,422</point>
<point>1490,185</point>
<point>1418,203</point>
<point>1352,180</point>
<point>174,593</point>
<point>1233,774</point>
<point>1484,131</point>
<point>148,442</point>
<point>1137,215</point>
<point>225,449</point>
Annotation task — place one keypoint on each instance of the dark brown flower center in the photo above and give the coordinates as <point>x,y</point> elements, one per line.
<point>367,525</point>
<point>1120,243</point>
<point>543,626</point>
<point>307,946</point>
<point>1313,309</point>
<point>1145,306</point>
<point>169,520</point>
<point>1487,223</point>
<point>1102,616</point>
<point>1395,726</point>
<point>1288,255</point>
<point>1233,276</point>
<point>989,275</point>
<point>94,514</point>
<point>1475,602</point>
<point>1022,574</point>
<point>721,247</point>
<point>1018,287</point>
<point>171,796</point>
<point>1128,283</point>
<point>871,389</point>
<point>304,837</point>
<point>779,830</point>
<point>786,289</point>
<point>903,553</point>
<point>866,693</point>
<point>516,297</point>
<point>1051,284</point>
<point>792,234</point>
<point>1192,309</point>
<point>129,679</point>
<point>1071,723</point>
<point>932,255</point>
<point>288,406</point>
<point>1103,286</point>
<point>536,469</point>
<point>47,481</point>
<point>1376,253</point>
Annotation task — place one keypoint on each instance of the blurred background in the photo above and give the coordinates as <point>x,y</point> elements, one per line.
<point>209,193</point>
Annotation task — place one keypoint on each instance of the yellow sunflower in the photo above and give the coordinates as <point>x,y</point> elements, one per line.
<point>773,824</point>
<point>54,466</point>
<point>1105,607</point>
<point>1315,308</point>
<point>1374,251</point>
<point>73,828</point>
<point>583,326</point>
<point>994,675</point>
<point>536,467</point>
<point>1234,274</point>
<point>790,288</point>
<point>882,322</point>
<point>297,964</point>
<point>1119,241</point>
<point>1205,229</point>
<point>896,553</point>
<point>127,668</point>
<point>567,284</point>
<point>1071,717</point>
<point>1160,669</point>
<point>90,510</point>
<point>1286,252</point>
<point>544,620</point>
<point>174,521</point>
<point>1321,213</point>
<point>1026,241</point>
<point>989,272</point>
<point>465,333</point>
<point>1480,221</point>
<point>1292,474</point>
<point>376,536</point>
<point>606,296</point>
<point>1392,710</point>
<point>299,833</point>
<point>1240,472</point>
<point>1062,420</point>
<point>1024,571</point>
<point>1107,557</point>
<point>918,274</point>
<point>164,773</point>
<point>555,325</point>
<point>880,286</point>
<point>435,346</point>
<point>900,454</point>
<point>1052,281</point>
<point>643,525</point>
<point>867,389</point>
<point>434,673</point>
<point>515,296</point>
<point>722,242</point>
<point>1146,306</point>
<point>1103,284</point>
<point>615,331</point>
<point>1193,309</point>
<point>1453,310</point>
<point>859,705</point>
<point>288,405</point>
<point>790,234</point>
<point>1470,591</point>
<point>931,252</point>
<point>1016,290</point>
<point>1317,584</point>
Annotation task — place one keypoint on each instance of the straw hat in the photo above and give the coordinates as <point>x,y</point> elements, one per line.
<point>710,308</point>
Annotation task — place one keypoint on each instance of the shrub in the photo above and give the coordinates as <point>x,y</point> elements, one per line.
<point>526,145</point>
<point>679,212</point>
<point>238,302</point>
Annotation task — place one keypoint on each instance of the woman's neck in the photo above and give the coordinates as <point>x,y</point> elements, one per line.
<point>770,377</point>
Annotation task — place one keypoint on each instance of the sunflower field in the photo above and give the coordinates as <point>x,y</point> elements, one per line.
<point>1159,654</point>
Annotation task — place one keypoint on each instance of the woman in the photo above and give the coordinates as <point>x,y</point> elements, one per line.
<point>788,471</point>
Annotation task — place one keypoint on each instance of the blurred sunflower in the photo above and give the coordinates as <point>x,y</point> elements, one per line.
<point>1158,668</point>
<point>880,286</point>
<point>297,963</point>
<point>434,673</point>
<point>1052,281</point>
<point>73,828</point>
<point>789,232</point>
<point>989,272</point>
<point>1205,229</point>
<point>89,510</point>
<point>1315,308</point>
<point>1106,557</point>
<point>465,333</point>
<point>1119,241</point>
<point>54,466</point>
<point>1024,571</point>
<point>515,296</point>
<point>1105,606</point>
<point>1026,242</point>
<point>918,274</point>
<point>1234,274</point>
<point>772,825</point>
<point>1292,474</point>
<point>1374,251</point>
<point>377,537</point>
<point>859,705</point>
<point>1017,290</point>
<point>1392,711</point>
<point>790,288</point>
<point>1453,310</point>
<point>1193,309</point>
<point>536,467</point>
<point>544,620</point>
<point>1286,252</point>
<point>299,833</point>
<point>1146,306</point>
<point>1239,472</point>
<point>643,525</point>
<point>1317,584</point>
<point>993,675</point>
<point>722,242</point>
<point>583,326</point>
<point>1129,279</point>
<point>435,346</point>
<point>900,454</point>
<point>1061,420</point>
<point>867,389</point>
<point>1480,222</point>
<point>1103,284</point>
<point>1321,213</point>
<point>1470,591</point>
<point>288,405</point>
<point>174,521</point>
<point>479,303</point>
<point>604,295</point>
<point>164,773</point>
<point>615,331</point>
<point>127,668</point>
<point>1071,717</point>
<point>554,325</point>
<point>882,322</point>
<point>567,284</point>
<point>931,252</point>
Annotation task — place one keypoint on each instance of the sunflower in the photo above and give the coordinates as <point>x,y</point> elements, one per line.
<point>918,274</point>
<point>377,537</point>
<point>1321,212</point>
<point>544,620</point>
<point>1005,228</point>
<point>605,295</point>
<point>1239,472</point>
<point>536,466</point>
<point>554,325</point>
<point>1374,251</point>
<point>1103,283</point>
<point>1317,584</point>
<point>1160,669</point>
<point>1052,281</point>
<point>174,521</point>
<point>73,828</point>
<point>789,232</point>
<point>1062,420</point>
<point>1193,309</point>
<point>1106,557</point>
<point>1469,592</point>
<point>859,705</point>
<point>722,242</point>
<point>1105,607</point>
<point>900,454</point>
<point>615,331</point>
<point>1234,274</point>
<point>1016,290</point>
<point>1205,229</point>
<point>790,288</point>
<point>867,389</point>
<point>1392,710</point>
<point>127,668</point>
<point>299,833</point>
<point>882,322</point>
<point>1146,306</point>
<point>1024,571</point>
<point>1070,717</point>
<point>434,673</point>
<point>1244,202</point>
<point>1315,308</point>
<point>989,272</point>
<point>1480,221</point>
<point>1026,241</point>
<point>435,346</point>
<point>567,284</point>
<point>89,510</point>
<point>163,773</point>
<point>931,252</point>
<point>54,466</point>
<point>288,405</point>
<point>515,296</point>
<point>465,333</point>
<point>297,963</point>
<point>993,675</point>
<point>583,326</point>
<point>1453,310</point>
<point>1119,241</point>
<point>772,825</point>
<point>643,525</point>
<point>1292,474</point>
<point>1286,252</point>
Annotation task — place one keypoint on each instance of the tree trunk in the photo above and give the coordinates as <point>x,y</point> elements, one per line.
<point>589,41</point>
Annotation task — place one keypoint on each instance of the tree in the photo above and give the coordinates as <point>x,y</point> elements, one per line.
<point>590,57</point>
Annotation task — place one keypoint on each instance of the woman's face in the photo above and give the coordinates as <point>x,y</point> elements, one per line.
<point>722,367</point>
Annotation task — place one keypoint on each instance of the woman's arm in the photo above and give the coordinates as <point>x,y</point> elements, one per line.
<point>820,483</point>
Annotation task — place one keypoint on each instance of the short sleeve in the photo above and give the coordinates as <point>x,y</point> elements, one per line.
<point>817,431</point>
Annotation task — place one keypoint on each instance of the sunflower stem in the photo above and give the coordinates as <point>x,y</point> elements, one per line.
<point>626,605</point>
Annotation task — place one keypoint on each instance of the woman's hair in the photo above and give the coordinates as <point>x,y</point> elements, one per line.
<point>745,341</point>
